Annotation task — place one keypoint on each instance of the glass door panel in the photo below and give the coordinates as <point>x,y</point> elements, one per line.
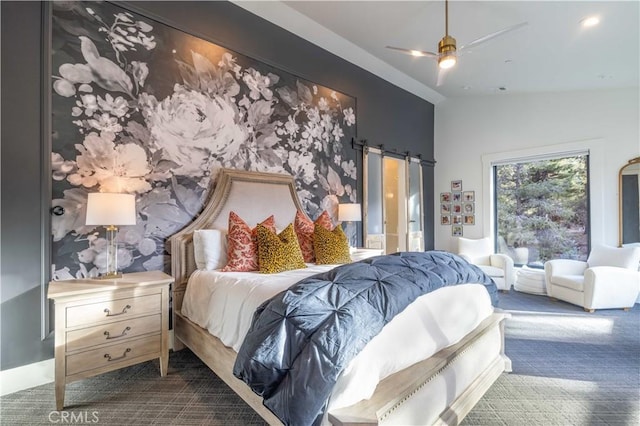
<point>415,237</point>
<point>394,186</point>
<point>393,213</point>
<point>373,204</point>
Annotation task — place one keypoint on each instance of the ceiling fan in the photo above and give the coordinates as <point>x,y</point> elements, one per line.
<point>447,51</point>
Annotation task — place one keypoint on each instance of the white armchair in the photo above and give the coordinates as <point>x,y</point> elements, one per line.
<point>608,279</point>
<point>480,253</point>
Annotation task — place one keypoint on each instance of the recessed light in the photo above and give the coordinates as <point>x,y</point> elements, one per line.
<point>590,21</point>
<point>465,87</point>
<point>417,53</point>
<point>502,89</point>
<point>508,61</point>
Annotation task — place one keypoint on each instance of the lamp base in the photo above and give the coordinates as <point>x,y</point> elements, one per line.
<point>110,276</point>
<point>112,255</point>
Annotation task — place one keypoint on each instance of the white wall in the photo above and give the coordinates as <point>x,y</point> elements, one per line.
<point>469,129</point>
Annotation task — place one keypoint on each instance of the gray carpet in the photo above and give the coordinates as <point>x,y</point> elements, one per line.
<point>569,368</point>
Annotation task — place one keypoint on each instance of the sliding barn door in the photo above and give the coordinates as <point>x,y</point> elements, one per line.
<point>393,203</point>
<point>373,219</point>
<point>415,211</point>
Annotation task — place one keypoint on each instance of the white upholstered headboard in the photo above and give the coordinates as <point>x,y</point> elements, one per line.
<point>252,195</point>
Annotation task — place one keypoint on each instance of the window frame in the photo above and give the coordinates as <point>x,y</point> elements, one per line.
<point>550,157</point>
<point>597,162</point>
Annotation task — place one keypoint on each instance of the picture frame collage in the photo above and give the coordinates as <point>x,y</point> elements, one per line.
<point>457,208</point>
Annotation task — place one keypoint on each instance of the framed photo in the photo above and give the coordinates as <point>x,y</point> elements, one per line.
<point>456,208</point>
<point>445,209</point>
<point>456,185</point>
<point>456,219</point>
<point>456,196</point>
<point>456,230</point>
<point>445,197</point>
<point>468,208</point>
<point>445,219</point>
<point>469,219</point>
<point>469,196</point>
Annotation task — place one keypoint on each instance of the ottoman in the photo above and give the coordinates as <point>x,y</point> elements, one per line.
<point>530,280</point>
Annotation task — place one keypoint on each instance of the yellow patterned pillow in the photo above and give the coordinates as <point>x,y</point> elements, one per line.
<point>278,253</point>
<point>330,246</point>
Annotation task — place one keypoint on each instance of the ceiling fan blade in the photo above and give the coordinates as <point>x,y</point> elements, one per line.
<point>414,52</point>
<point>491,36</point>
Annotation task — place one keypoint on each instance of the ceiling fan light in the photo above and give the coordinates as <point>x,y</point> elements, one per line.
<point>447,61</point>
<point>447,52</point>
<point>590,21</point>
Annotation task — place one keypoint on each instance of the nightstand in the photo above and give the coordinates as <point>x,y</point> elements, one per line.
<point>364,253</point>
<point>105,325</point>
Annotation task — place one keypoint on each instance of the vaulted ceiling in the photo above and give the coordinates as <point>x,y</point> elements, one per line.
<point>553,52</point>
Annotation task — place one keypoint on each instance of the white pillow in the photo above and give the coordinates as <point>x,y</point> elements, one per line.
<point>210,248</point>
<point>625,257</point>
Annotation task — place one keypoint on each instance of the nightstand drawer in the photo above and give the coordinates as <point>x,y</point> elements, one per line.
<point>112,355</point>
<point>113,332</point>
<point>105,325</point>
<point>112,310</point>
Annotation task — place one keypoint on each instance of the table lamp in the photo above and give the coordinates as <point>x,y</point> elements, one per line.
<point>350,212</point>
<point>111,209</point>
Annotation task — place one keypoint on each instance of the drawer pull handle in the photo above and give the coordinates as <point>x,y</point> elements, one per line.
<point>124,354</point>
<point>124,311</point>
<point>124,333</point>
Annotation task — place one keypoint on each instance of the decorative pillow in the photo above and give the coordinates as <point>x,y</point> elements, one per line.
<point>278,253</point>
<point>621,257</point>
<point>242,244</point>
<point>304,231</point>
<point>330,246</point>
<point>210,248</point>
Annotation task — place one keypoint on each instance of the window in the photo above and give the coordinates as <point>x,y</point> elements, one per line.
<point>542,209</point>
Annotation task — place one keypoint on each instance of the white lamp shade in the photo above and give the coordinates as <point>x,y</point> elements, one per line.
<point>349,212</point>
<point>104,208</point>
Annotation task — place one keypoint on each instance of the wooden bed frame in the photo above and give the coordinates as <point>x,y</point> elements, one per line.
<point>245,193</point>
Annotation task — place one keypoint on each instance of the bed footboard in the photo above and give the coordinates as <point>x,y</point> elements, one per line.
<point>439,390</point>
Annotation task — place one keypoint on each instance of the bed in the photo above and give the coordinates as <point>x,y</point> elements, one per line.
<point>439,388</point>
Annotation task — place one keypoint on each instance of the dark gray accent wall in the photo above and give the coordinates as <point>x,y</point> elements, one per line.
<point>22,191</point>
<point>385,115</point>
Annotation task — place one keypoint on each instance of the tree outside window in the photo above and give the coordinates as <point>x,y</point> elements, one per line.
<point>542,210</point>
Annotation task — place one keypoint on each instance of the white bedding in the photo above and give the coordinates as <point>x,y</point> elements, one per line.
<point>224,303</point>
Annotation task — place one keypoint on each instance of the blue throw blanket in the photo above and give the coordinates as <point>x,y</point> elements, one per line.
<point>302,339</point>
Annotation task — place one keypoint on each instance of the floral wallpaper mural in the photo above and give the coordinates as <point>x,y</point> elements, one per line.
<point>142,108</point>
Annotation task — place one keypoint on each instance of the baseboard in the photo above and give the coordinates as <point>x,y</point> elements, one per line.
<point>36,374</point>
<point>26,376</point>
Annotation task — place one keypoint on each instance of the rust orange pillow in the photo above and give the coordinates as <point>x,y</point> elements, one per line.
<point>242,244</point>
<point>304,231</point>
